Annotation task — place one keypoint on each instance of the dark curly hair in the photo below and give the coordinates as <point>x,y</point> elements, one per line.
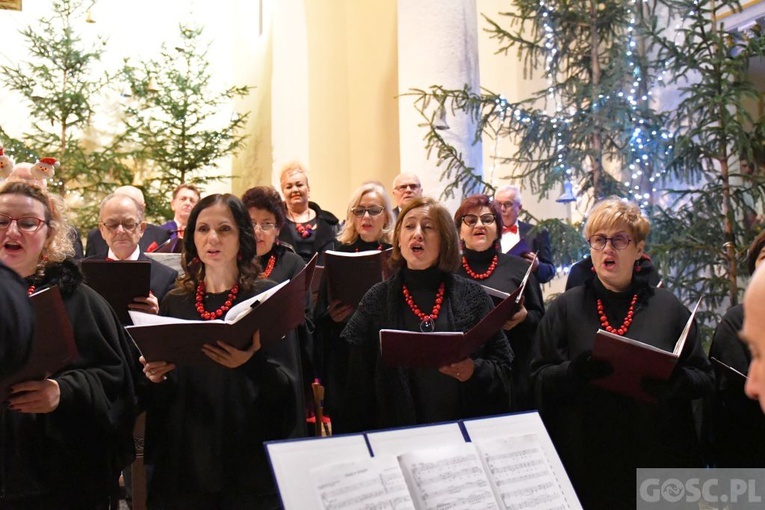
<point>267,199</point>
<point>247,262</point>
<point>479,201</point>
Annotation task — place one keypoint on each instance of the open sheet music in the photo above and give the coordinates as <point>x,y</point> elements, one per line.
<point>502,462</point>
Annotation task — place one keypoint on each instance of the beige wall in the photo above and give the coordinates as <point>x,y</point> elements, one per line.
<point>353,118</point>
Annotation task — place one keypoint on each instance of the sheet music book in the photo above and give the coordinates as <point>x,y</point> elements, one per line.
<point>351,274</point>
<point>633,361</point>
<point>53,345</point>
<point>499,462</point>
<point>275,312</point>
<point>118,282</point>
<point>432,350</point>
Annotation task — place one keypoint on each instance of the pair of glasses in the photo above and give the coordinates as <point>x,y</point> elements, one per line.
<point>264,227</point>
<point>402,187</point>
<point>128,225</point>
<point>25,224</point>
<point>506,205</point>
<point>359,212</point>
<point>471,220</point>
<point>619,242</point>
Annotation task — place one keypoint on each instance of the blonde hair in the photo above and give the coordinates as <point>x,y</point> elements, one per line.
<point>349,234</point>
<point>293,167</point>
<point>59,245</point>
<point>612,211</point>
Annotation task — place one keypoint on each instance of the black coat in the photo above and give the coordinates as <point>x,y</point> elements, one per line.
<point>321,239</point>
<point>16,328</point>
<point>73,455</point>
<point>206,426</point>
<point>506,278</point>
<point>738,425</point>
<point>378,396</point>
<point>603,437</point>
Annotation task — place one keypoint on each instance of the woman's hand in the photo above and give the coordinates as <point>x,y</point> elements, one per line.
<point>339,312</point>
<point>35,397</point>
<point>228,356</point>
<point>148,304</point>
<point>462,370</point>
<point>517,318</point>
<point>156,371</point>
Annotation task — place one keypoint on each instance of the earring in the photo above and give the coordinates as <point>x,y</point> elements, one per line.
<point>496,245</point>
<point>239,256</point>
<point>636,268</point>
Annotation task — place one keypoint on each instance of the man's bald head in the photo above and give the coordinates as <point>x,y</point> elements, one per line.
<point>406,186</point>
<point>753,333</point>
<point>134,193</point>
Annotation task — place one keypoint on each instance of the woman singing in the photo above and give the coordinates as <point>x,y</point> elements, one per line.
<point>65,438</point>
<point>603,437</point>
<point>206,425</point>
<point>424,295</point>
<point>479,222</point>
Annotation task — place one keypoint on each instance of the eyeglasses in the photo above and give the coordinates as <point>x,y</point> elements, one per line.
<point>359,212</point>
<point>471,219</point>
<point>619,242</point>
<point>506,205</point>
<point>25,224</point>
<point>128,225</point>
<point>266,226</point>
<point>412,186</point>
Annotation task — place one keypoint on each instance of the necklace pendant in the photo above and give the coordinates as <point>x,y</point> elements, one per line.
<point>428,325</point>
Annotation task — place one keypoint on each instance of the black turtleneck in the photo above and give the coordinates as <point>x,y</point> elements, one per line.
<point>423,286</point>
<point>479,261</point>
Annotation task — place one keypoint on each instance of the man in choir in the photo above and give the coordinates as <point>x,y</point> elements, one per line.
<point>406,187</point>
<point>185,197</point>
<point>153,237</point>
<point>16,328</point>
<point>753,333</point>
<point>121,224</point>
<point>514,231</point>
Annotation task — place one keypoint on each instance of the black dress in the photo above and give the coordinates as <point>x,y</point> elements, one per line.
<point>379,396</point>
<point>333,351</point>
<point>295,353</point>
<point>71,458</point>
<point>738,425</point>
<point>206,426</point>
<point>507,277</point>
<point>603,437</point>
<point>316,236</point>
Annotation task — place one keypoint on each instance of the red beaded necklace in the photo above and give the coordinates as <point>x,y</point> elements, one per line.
<point>269,267</point>
<point>428,322</point>
<point>627,320</point>
<point>200,302</point>
<point>31,290</point>
<point>480,276</point>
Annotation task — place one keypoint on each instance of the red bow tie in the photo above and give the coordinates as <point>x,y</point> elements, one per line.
<point>111,259</point>
<point>512,228</point>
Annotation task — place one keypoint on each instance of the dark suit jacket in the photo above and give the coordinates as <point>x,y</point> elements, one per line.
<point>154,234</point>
<point>540,243</point>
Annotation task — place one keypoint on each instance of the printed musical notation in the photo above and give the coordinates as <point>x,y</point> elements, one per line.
<point>375,484</point>
<point>521,473</point>
<point>448,478</point>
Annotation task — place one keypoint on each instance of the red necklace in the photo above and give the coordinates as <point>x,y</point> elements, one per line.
<point>269,267</point>
<point>480,276</point>
<point>627,320</point>
<point>200,302</point>
<point>304,230</point>
<point>427,322</point>
<point>31,290</point>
